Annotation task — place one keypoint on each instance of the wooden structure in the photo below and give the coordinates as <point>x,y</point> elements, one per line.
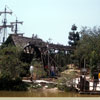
<point>19,41</point>
<point>26,43</point>
<point>85,86</point>
<point>34,45</point>
<point>31,47</point>
<point>13,25</point>
<point>5,25</point>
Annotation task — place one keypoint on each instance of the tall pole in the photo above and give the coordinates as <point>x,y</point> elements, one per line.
<point>48,54</point>
<point>84,75</point>
<point>84,63</point>
<point>4,26</point>
<point>48,51</point>
<point>16,25</point>
<point>4,23</point>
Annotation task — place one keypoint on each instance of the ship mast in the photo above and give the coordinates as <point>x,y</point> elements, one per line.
<point>16,25</point>
<point>5,26</point>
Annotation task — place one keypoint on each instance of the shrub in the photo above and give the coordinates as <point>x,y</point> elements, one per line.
<point>65,82</point>
<point>10,69</point>
<point>7,83</point>
<point>38,68</point>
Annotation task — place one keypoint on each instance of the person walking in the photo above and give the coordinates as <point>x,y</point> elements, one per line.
<point>31,72</point>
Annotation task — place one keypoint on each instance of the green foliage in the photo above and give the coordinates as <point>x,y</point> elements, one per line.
<point>65,82</point>
<point>38,68</point>
<point>50,85</point>
<point>62,60</point>
<point>73,36</point>
<point>36,62</point>
<point>88,47</point>
<point>7,83</point>
<point>10,69</point>
<point>93,61</point>
<point>65,88</point>
<point>36,86</point>
<point>9,61</point>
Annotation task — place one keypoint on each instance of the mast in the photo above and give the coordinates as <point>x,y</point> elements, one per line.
<point>16,25</point>
<point>5,26</point>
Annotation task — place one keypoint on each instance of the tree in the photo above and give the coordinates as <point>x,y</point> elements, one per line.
<point>88,47</point>
<point>62,59</point>
<point>73,41</point>
<point>10,63</point>
<point>73,36</point>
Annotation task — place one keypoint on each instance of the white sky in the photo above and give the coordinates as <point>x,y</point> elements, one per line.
<point>53,18</point>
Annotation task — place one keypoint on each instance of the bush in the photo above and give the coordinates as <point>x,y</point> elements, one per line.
<point>38,68</point>
<point>7,83</point>
<point>65,82</point>
<point>52,85</point>
<point>10,63</point>
<point>63,87</point>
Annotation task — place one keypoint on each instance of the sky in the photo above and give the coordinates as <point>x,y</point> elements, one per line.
<point>52,18</point>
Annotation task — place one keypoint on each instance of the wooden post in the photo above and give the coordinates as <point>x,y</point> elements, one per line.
<point>48,59</point>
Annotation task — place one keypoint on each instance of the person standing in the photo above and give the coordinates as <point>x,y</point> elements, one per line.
<point>99,76</point>
<point>31,72</point>
<point>46,69</point>
<point>95,80</point>
<point>52,71</point>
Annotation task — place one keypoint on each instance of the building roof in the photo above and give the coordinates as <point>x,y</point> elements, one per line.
<point>20,41</point>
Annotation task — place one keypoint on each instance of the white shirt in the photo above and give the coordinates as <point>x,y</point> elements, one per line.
<point>31,69</point>
<point>52,68</point>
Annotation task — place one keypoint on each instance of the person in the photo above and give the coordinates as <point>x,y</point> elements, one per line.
<point>52,71</point>
<point>46,69</point>
<point>31,72</point>
<point>82,83</point>
<point>99,76</point>
<point>95,80</point>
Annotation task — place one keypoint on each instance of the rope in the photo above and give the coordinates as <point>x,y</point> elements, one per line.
<point>11,11</point>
